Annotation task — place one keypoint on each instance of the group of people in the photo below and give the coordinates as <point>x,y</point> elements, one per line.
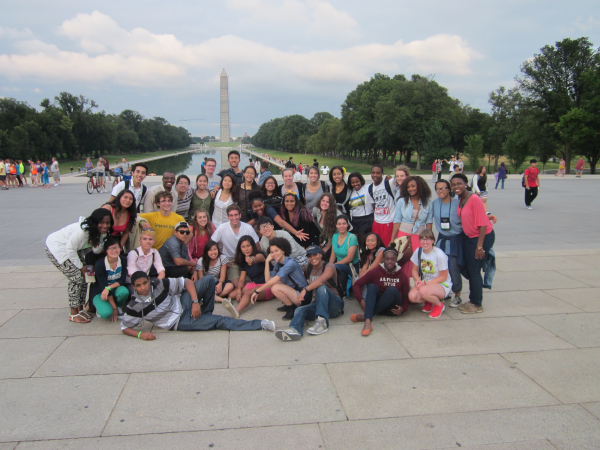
<point>167,253</point>
<point>13,173</point>
<point>454,166</point>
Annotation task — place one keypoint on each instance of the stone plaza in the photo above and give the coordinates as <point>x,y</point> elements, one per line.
<point>521,376</point>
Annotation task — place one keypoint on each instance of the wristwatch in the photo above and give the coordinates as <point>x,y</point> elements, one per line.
<point>195,301</point>
<point>479,248</point>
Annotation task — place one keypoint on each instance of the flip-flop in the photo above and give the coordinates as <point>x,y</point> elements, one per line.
<point>72,318</point>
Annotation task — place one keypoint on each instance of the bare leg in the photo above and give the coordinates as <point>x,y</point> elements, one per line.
<point>228,288</point>
<point>286,294</point>
<point>245,300</point>
<point>484,200</point>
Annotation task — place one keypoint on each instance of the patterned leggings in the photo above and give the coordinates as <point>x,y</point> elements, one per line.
<point>77,287</point>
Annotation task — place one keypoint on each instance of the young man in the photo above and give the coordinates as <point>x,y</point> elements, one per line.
<point>3,175</point>
<point>164,220</point>
<point>168,184</point>
<point>531,177</point>
<point>289,163</point>
<point>264,172</point>
<point>126,169</point>
<point>315,163</point>
<point>134,184</point>
<point>106,170</point>
<point>326,302</point>
<point>55,172</point>
<point>179,304</point>
<point>227,236</point>
<point>174,254</point>
<point>382,194</point>
<point>233,158</point>
<point>203,166</point>
<point>451,163</point>
<point>297,175</point>
<point>387,291</point>
<point>213,180</point>
<point>461,165</point>
<point>324,170</point>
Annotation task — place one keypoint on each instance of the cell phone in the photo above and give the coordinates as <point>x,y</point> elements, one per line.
<point>89,270</point>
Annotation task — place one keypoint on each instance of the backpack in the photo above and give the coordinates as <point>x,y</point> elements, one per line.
<point>144,189</point>
<point>388,188</point>
<point>341,290</point>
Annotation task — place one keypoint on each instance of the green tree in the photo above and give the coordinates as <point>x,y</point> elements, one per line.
<point>516,149</point>
<point>474,150</point>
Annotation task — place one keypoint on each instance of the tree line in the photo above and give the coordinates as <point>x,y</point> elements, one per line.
<point>71,127</point>
<point>553,110</point>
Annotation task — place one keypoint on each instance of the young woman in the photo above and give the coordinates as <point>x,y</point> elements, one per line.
<point>184,195</point>
<point>123,212</point>
<point>34,172</point>
<point>345,249</point>
<point>88,165</point>
<point>215,265</point>
<point>296,214</point>
<point>402,172</point>
<point>227,195</point>
<point>289,185</point>
<point>65,250</point>
<point>339,188</point>
<point>201,198</point>
<point>432,280</point>
<point>315,188</point>
<point>561,170</point>
<point>252,275</point>
<point>100,175</point>
<point>479,185</point>
<point>202,230</point>
<point>479,240</point>
<point>109,293</point>
<point>266,228</point>
<point>45,176</point>
<point>288,280</point>
<point>259,209</point>
<point>272,193</point>
<point>246,188</point>
<point>325,215</point>
<point>371,253</point>
<point>361,210</point>
<point>413,214</point>
<point>434,170</point>
<point>502,174</point>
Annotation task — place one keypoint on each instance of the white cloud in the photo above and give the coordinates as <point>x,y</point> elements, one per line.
<point>141,58</point>
<point>12,33</point>
<point>586,24</point>
<point>37,90</point>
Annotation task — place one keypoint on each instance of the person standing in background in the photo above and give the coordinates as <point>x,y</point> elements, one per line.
<point>579,167</point>
<point>3,175</point>
<point>501,175</point>
<point>434,170</point>
<point>126,170</point>
<point>531,178</point>
<point>106,170</point>
<point>561,168</point>
<point>461,165</point>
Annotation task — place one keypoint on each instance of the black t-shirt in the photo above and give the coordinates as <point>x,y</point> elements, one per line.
<point>255,272</point>
<point>342,198</point>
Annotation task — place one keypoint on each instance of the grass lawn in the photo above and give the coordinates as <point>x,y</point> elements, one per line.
<point>223,144</point>
<point>65,165</point>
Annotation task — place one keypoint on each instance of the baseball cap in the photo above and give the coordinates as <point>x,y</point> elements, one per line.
<point>313,250</point>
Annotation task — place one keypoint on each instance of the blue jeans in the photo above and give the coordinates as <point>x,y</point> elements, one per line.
<point>454,270</point>
<point>205,288</point>
<point>499,182</point>
<point>472,268</point>
<point>345,269</point>
<point>377,303</point>
<point>326,305</point>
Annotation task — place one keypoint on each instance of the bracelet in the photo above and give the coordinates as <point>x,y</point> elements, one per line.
<point>256,292</point>
<point>479,248</point>
<point>107,288</point>
<point>139,334</point>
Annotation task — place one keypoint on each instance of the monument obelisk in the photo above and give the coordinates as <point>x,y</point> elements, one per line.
<point>224,107</point>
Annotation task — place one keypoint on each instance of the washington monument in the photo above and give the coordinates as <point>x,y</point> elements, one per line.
<point>224,107</point>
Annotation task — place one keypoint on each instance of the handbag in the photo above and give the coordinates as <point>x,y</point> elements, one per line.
<point>405,250</point>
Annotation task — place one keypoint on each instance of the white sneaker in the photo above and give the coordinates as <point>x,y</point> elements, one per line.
<point>288,335</point>
<point>231,309</point>
<point>529,207</point>
<point>267,325</point>
<point>55,184</point>
<point>319,327</point>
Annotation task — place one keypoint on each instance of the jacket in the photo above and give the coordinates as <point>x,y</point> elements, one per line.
<point>67,242</point>
<point>383,279</point>
<point>489,268</point>
<point>102,276</point>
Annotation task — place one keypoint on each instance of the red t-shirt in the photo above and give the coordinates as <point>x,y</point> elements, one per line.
<point>473,216</point>
<point>580,164</point>
<point>197,246</point>
<point>532,173</point>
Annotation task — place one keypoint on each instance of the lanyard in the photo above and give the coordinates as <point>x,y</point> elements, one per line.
<point>449,209</point>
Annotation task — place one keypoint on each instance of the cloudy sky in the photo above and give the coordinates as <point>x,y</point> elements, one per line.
<point>282,56</point>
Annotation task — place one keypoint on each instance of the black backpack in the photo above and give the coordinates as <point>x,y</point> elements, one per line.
<point>341,290</point>
<point>144,189</point>
<point>388,188</point>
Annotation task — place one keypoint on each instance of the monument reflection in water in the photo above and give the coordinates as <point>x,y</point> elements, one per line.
<point>189,163</point>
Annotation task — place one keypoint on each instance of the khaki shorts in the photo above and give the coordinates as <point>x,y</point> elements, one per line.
<point>233,272</point>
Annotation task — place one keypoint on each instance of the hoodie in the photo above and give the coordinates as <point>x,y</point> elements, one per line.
<point>383,279</point>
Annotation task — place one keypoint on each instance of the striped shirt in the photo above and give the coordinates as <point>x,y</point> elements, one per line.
<point>161,308</point>
<point>215,270</point>
<point>183,205</point>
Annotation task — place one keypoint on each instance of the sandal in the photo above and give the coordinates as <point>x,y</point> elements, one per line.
<point>86,315</point>
<point>72,318</point>
<point>367,332</point>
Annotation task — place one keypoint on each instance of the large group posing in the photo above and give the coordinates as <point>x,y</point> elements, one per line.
<point>167,253</point>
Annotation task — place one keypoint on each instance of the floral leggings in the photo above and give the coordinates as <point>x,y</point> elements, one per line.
<point>77,287</point>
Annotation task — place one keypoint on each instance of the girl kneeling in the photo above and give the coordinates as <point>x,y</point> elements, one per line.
<point>432,280</point>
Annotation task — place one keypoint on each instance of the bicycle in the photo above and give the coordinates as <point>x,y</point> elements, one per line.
<point>93,183</point>
<point>118,178</point>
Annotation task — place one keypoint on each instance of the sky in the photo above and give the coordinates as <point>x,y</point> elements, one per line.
<point>282,57</point>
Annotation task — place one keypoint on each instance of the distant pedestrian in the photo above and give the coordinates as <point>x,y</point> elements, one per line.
<point>531,178</point>
<point>501,175</point>
<point>55,172</point>
<point>579,167</point>
<point>45,176</point>
<point>561,168</point>
<point>461,165</point>
<point>106,170</point>
<point>434,170</point>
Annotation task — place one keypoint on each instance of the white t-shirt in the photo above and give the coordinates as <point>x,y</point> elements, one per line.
<point>384,205</point>
<point>137,193</point>
<point>228,239</point>
<point>432,264</point>
<point>452,163</point>
<point>297,176</point>
<point>325,170</point>
<point>359,204</point>
<point>54,167</point>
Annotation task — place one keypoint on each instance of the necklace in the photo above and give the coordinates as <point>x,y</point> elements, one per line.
<point>463,202</point>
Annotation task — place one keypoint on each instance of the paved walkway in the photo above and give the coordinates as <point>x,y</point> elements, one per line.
<point>522,375</point>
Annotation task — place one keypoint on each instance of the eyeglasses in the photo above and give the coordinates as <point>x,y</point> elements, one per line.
<point>265,226</point>
<point>441,189</point>
<point>114,248</point>
<point>183,232</point>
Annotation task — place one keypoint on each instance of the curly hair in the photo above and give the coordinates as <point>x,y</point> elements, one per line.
<point>329,228</point>
<point>282,244</point>
<point>240,258</point>
<point>365,252</point>
<point>423,189</point>
<point>90,225</point>
<point>160,195</point>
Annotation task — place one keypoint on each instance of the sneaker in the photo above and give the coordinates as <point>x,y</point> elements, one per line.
<point>464,305</point>
<point>267,325</point>
<point>319,327</point>
<point>55,184</point>
<point>288,335</point>
<point>427,307</point>
<point>230,308</point>
<point>447,297</point>
<point>472,309</point>
<point>456,302</point>
<point>530,207</point>
<point>437,311</point>
<point>119,313</point>
<point>284,308</point>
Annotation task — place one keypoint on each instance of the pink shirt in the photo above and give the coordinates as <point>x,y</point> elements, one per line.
<point>136,260</point>
<point>473,216</point>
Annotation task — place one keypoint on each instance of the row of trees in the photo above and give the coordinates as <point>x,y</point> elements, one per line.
<point>70,127</point>
<point>554,110</point>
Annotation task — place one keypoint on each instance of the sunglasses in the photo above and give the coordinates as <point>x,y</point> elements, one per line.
<point>183,232</point>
